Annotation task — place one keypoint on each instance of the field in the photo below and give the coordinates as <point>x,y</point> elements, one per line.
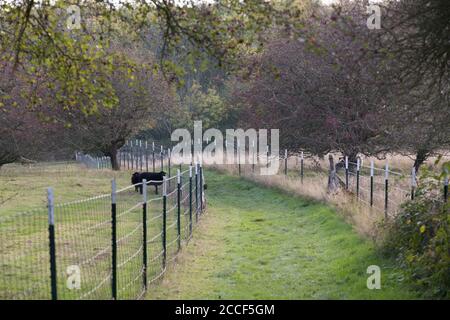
<point>255,242</point>
<point>262,243</point>
<point>82,232</point>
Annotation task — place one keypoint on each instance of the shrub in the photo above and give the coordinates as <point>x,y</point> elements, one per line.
<point>419,239</point>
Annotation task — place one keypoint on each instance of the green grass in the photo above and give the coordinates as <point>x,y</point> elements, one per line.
<point>255,242</point>
<point>260,243</point>
<point>83,232</point>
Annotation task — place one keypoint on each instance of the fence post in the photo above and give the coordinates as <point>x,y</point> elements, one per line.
<point>301,166</point>
<point>413,182</point>
<point>140,154</point>
<point>128,159</point>
<point>52,247</point>
<point>179,208</point>
<point>357,177</point>
<point>371,182</point>
<point>201,186</point>
<point>196,192</point>
<point>168,160</point>
<point>137,154</point>
<point>285,162</point>
<point>238,150</point>
<point>164,238</point>
<point>132,155</point>
<point>146,155</point>
<point>386,191</point>
<point>144,233</point>
<point>162,158</point>
<point>346,172</point>
<point>113,240</point>
<point>153,155</point>
<point>267,156</point>
<point>446,186</point>
<point>253,155</point>
<point>190,201</point>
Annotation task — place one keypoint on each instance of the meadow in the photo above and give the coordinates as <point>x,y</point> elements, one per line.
<point>254,242</point>
<point>83,232</point>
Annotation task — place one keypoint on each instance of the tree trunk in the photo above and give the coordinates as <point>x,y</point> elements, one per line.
<point>421,157</point>
<point>332,181</point>
<point>113,154</point>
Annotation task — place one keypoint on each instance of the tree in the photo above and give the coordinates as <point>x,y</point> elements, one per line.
<point>317,89</point>
<point>144,100</point>
<point>37,32</point>
<point>24,135</point>
<point>413,44</point>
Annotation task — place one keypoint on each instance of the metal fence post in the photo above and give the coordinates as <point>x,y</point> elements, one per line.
<point>285,162</point>
<point>179,208</point>
<point>132,155</point>
<point>253,155</point>
<point>446,186</point>
<point>346,173</point>
<point>153,155</point>
<point>113,240</point>
<point>302,166</point>
<point>201,187</point>
<point>413,182</point>
<point>144,233</point>
<point>196,192</point>
<point>386,191</point>
<point>52,246</point>
<point>357,177</point>
<point>371,182</point>
<point>128,159</point>
<point>190,201</point>
<point>137,154</point>
<point>146,155</point>
<point>140,154</point>
<point>162,158</point>
<point>164,238</point>
<point>168,163</point>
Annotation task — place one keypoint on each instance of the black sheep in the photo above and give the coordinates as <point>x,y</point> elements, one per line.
<point>153,179</point>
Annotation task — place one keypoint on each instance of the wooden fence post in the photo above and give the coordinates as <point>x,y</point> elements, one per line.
<point>332,183</point>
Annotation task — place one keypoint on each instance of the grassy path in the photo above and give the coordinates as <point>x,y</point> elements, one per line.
<point>259,243</point>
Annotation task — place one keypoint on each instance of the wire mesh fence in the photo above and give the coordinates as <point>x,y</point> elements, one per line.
<point>383,190</point>
<point>32,169</point>
<point>111,246</point>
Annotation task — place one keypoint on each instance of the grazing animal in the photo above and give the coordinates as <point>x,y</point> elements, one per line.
<point>153,179</point>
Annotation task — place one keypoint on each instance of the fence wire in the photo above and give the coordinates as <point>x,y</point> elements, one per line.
<point>149,231</point>
<point>368,187</point>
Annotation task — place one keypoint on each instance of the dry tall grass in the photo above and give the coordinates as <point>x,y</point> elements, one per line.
<point>366,220</point>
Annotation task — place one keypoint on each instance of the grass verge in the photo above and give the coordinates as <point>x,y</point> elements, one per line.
<point>261,243</point>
